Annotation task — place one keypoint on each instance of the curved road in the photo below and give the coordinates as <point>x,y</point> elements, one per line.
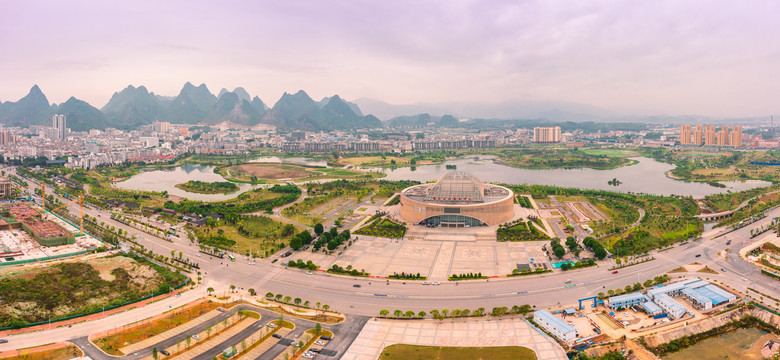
<point>375,294</point>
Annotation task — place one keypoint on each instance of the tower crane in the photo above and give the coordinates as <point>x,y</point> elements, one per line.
<point>80,199</point>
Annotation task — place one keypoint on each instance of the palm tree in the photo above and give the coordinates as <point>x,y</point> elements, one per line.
<point>232,288</point>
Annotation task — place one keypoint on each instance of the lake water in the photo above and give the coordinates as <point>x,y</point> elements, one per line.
<point>647,176</point>
<point>166,180</point>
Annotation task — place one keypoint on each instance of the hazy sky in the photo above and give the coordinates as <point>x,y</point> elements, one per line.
<point>719,58</point>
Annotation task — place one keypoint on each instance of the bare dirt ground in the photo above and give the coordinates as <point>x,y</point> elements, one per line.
<point>269,171</point>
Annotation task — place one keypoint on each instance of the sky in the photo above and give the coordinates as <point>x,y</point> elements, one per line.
<point>712,58</point>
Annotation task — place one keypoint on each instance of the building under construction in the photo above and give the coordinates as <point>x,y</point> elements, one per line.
<point>45,232</point>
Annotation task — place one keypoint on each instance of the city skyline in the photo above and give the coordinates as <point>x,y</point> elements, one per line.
<point>627,58</point>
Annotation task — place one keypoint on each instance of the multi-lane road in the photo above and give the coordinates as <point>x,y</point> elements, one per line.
<point>559,288</point>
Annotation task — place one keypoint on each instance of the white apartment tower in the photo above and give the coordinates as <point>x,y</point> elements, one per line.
<point>547,135</point>
<point>58,123</point>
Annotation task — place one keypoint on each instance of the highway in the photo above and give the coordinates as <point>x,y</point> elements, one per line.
<point>539,291</point>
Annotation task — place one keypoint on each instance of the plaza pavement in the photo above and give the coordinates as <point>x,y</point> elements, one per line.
<point>380,333</point>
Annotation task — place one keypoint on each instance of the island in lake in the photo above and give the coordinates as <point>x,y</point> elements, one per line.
<point>203,187</point>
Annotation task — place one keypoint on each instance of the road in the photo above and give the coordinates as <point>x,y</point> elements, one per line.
<point>374,295</point>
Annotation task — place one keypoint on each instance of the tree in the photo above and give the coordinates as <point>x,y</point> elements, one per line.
<point>421,314</point>
<point>296,243</point>
<point>317,329</point>
<point>210,290</point>
<point>383,312</point>
<point>252,292</point>
<point>297,301</point>
<point>232,288</point>
<point>319,229</point>
<point>397,313</point>
<point>208,331</point>
<point>287,299</point>
<point>409,313</point>
<point>326,307</point>
<point>154,352</point>
<point>269,295</point>
<point>188,340</point>
<point>279,297</point>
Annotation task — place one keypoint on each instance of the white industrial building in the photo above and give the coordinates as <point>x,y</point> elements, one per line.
<point>627,300</point>
<point>700,293</point>
<point>555,325</point>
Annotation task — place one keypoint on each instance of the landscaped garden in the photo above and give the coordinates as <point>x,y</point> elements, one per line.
<point>520,231</point>
<point>244,233</point>
<point>203,187</point>
<point>381,226</point>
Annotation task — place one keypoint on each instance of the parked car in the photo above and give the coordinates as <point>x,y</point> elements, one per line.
<point>277,336</point>
<point>698,255</point>
<point>325,337</point>
<point>165,352</point>
<point>3,341</point>
<point>436,283</point>
<point>319,342</point>
<point>356,285</point>
<point>309,273</point>
<point>271,325</point>
<point>314,350</point>
<point>426,283</point>
<point>615,272</point>
<point>196,337</point>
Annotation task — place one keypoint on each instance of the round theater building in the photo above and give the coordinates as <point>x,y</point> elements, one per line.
<point>458,199</point>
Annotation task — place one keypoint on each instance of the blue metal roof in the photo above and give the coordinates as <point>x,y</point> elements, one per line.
<point>712,295</point>
<point>652,308</point>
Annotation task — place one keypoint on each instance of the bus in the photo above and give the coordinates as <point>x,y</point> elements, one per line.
<point>231,257</point>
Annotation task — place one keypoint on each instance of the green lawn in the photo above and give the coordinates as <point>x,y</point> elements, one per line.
<point>609,152</point>
<point>416,352</point>
<point>260,234</point>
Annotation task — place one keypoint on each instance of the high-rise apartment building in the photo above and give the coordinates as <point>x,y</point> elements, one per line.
<point>710,135</point>
<point>736,136</point>
<point>7,138</point>
<point>723,136</point>
<point>685,135</point>
<point>547,135</point>
<point>162,127</point>
<point>698,135</point>
<point>58,123</point>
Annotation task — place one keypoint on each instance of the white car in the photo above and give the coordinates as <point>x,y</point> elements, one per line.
<point>270,325</point>
<point>436,283</point>
<point>426,283</point>
<point>308,355</point>
<point>625,314</point>
<point>309,273</point>
<point>320,342</point>
<point>196,337</point>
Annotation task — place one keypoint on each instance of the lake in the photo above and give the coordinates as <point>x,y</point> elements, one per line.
<point>166,180</point>
<point>647,176</point>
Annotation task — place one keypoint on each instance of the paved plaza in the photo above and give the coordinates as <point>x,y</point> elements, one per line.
<point>378,334</point>
<point>435,259</point>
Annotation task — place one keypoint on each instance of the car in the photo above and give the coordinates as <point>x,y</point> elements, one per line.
<point>325,337</point>
<point>277,336</point>
<point>164,352</point>
<point>309,273</point>
<point>426,283</point>
<point>698,255</point>
<point>319,342</point>
<point>196,337</point>
<point>615,272</point>
<point>728,242</point>
<point>314,350</point>
<point>308,355</point>
<point>436,283</point>
<point>3,341</point>
<point>723,269</point>
<point>270,325</point>
<point>625,314</point>
<point>356,285</point>
<point>744,279</point>
<point>198,254</point>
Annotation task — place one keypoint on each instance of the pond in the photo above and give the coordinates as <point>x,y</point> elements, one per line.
<point>166,180</point>
<point>647,176</point>
<point>738,344</point>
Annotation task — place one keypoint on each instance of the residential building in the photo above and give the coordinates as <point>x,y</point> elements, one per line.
<point>698,135</point>
<point>685,135</point>
<point>547,135</point>
<point>710,135</point>
<point>627,300</point>
<point>736,136</point>
<point>58,123</point>
<point>5,187</point>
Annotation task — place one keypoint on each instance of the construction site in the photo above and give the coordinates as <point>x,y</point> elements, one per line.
<point>27,234</point>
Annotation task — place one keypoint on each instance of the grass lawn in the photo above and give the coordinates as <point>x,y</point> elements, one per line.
<point>374,161</point>
<point>261,234</point>
<point>60,353</point>
<point>416,352</point>
<point>610,152</point>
